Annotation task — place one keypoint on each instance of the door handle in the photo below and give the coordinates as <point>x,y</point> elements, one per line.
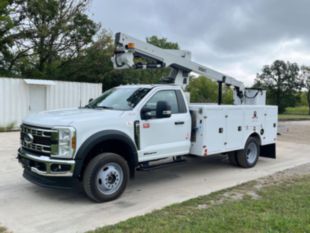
<point>179,123</point>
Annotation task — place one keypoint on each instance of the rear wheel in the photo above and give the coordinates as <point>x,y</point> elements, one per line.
<point>248,157</point>
<point>105,177</point>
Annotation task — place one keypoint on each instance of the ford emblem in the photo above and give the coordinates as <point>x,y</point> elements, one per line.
<point>28,139</point>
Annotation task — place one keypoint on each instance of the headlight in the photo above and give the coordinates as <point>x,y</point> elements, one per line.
<point>66,142</point>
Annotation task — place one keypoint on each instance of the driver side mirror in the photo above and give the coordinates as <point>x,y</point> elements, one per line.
<point>163,109</point>
<point>90,100</point>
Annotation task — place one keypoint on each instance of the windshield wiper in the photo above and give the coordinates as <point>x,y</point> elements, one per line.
<point>104,107</point>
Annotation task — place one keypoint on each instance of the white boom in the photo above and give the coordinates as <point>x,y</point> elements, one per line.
<point>129,48</point>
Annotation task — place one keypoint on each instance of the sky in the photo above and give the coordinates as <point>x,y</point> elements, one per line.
<point>235,37</point>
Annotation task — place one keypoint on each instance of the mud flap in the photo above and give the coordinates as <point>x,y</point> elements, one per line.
<point>268,151</point>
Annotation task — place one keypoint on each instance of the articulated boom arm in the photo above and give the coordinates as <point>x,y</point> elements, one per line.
<point>129,48</point>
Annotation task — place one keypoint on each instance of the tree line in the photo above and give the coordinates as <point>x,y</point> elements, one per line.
<point>287,84</point>
<point>56,39</point>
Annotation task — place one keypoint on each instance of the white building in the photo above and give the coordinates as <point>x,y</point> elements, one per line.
<point>20,97</point>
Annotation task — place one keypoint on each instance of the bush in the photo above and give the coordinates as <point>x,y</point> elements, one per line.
<point>7,127</point>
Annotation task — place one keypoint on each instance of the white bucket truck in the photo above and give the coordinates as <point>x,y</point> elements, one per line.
<point>102,144</point>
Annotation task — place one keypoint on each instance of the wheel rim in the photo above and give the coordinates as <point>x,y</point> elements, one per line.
<point>109,178</point>
<point>251,153</point>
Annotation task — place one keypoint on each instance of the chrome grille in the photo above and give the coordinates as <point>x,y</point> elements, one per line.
<point>40,132</point>
<point>41,139</point>
<point>37,147</point>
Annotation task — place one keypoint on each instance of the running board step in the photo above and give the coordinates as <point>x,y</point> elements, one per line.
<point>147,167</point>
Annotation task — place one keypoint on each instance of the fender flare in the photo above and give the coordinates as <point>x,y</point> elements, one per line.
<point>101,137</point>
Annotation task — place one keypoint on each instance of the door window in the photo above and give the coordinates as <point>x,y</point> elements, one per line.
<point>169,96</point>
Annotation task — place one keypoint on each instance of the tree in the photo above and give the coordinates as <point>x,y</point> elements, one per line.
<point>7,23</point>
<point>55,31</point>
<point>282,82</point>
<point>303,98</point>
<point>305,75</point>
<point>92,62</point>
<point>162,42</point>
<point>204,90</point>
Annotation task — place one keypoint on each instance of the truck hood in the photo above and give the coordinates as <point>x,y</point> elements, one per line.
<point>67,117</point>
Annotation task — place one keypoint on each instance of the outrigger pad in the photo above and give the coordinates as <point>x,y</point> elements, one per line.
<point>268,151</point>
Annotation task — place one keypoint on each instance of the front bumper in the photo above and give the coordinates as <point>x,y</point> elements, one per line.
<point>50,181</point>
<point>46,166</point>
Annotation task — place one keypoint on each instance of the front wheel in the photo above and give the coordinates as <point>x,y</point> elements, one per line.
<point>105,177</point>
<point>248,157</point>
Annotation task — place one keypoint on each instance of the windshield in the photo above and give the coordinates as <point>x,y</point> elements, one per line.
<point>119,98</point>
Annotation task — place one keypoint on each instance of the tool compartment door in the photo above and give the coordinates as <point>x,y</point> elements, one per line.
<point>215,131</point>
<point>270,125</point>
<point>235,128</point>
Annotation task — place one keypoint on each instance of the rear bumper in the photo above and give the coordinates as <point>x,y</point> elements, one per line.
<point>47,172</point>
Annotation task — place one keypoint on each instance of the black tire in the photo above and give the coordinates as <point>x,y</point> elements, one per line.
<point>104,171</point>
<point>232,157</point>
<point>248,157</point>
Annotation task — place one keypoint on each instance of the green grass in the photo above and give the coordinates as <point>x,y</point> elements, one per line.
<point>291,117</point>
<point>282,207</point>
<point>302,110</point>
<point>295,113</point>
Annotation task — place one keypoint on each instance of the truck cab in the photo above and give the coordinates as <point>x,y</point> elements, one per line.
<point>132,124</point>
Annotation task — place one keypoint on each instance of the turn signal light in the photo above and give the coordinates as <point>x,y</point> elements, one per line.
<point>73,142</point>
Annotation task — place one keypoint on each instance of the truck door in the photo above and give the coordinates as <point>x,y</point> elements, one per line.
<point>163,137</point>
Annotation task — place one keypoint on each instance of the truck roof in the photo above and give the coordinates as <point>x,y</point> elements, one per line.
<point>148,85</point>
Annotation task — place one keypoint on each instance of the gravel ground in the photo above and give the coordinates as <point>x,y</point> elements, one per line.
<point>297,132</point>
